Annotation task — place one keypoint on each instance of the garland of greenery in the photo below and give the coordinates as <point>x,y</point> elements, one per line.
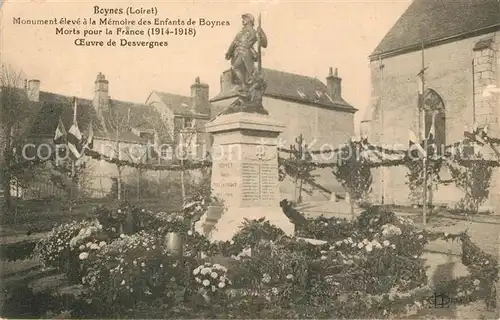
<point>186,165</point>
<point>354,174</point>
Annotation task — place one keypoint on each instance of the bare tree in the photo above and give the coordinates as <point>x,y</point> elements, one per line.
<point>186,138</point>
<point>16,117</point>
<point>115,124</point>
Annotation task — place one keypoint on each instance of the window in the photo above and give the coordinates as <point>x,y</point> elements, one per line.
<point>301,94</point>
<point>319,94</point>
<point>165,152</point>
<point>435,120</point>
<point>188,122</point>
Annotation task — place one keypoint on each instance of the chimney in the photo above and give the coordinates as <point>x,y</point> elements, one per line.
<point>101,97</point>
<point>33,90</point>
<point>334,84</point>
<point>199,96</point>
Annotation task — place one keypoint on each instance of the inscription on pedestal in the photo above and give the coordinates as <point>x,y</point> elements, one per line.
<point>269,181</point>
<point>225,180</point>
<point>250,181</point>
<point>259,182</point>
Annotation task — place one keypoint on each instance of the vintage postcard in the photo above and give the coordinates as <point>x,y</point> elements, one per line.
<point>263,159</point>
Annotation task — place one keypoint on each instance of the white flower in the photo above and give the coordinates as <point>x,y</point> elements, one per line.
<point>206,283</point>
<point>122,236</point>
<point>119,211</point>
<point>323,257</point>
<point>143,264</point>
<point>82,247</point>
<point>275,290</point>
<point>94,246</point>
<point>393,246</point>
<point>196,271</point>
<point>476,282</point>
<point>222,285</point>
<point>369,247</point>
<point>89,244</point>
<point>231,242</point>
<point>197,279</point>
<point>365,241</point>
<point>386,243</point>
<point>190,233</point>
<point>83,255</point>
<point>446,234</point>
<point>102,244</point>
<point>123,282</point>
<point>214,275</point>
<point>376,244</point>
<point>326,224</point>
<point>360,245</point>
<point>205,271</point>
<point>113,229</point>
<point>213,288</point>
<point>289,276</point>
<point>420,236</point>
<point>266,278</point>
<point>338,243</point>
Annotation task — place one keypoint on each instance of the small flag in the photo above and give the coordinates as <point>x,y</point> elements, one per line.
<point>75,137</point>
<point>413,143</point>
<point>60,134</point>
<point>431,136</point>
<point>420,88</point>
<point>75,141</point>
<point>89,141</point>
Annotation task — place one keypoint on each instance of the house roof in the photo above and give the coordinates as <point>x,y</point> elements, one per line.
<point>430,21</point>
<point>290,86</point>
<point>178,104</point>
<point>53,107</point>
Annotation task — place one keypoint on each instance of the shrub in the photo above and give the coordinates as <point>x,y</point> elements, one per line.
<point>370,267</point>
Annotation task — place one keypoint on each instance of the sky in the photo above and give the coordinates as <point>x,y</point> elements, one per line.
<point>305,37</point>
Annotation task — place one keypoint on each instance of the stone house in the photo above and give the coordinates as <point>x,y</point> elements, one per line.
<point>125,130</point>
<point>461,54</point>
<point>306,106</point>
<point>184,119</point>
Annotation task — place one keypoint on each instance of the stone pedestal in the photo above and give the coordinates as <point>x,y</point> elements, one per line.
<point>244,174</point>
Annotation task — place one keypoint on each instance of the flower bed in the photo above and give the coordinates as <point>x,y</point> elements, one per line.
<point>370,267</point>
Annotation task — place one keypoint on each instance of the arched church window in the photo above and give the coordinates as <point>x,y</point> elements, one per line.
<point>435,121</point>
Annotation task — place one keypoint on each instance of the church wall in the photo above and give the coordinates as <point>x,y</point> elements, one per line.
<point>394,89</point>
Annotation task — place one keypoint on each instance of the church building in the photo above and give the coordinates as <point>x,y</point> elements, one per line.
<point>456,44</point>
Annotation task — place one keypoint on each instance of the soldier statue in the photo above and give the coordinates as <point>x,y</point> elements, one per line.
<point>244,73</point>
